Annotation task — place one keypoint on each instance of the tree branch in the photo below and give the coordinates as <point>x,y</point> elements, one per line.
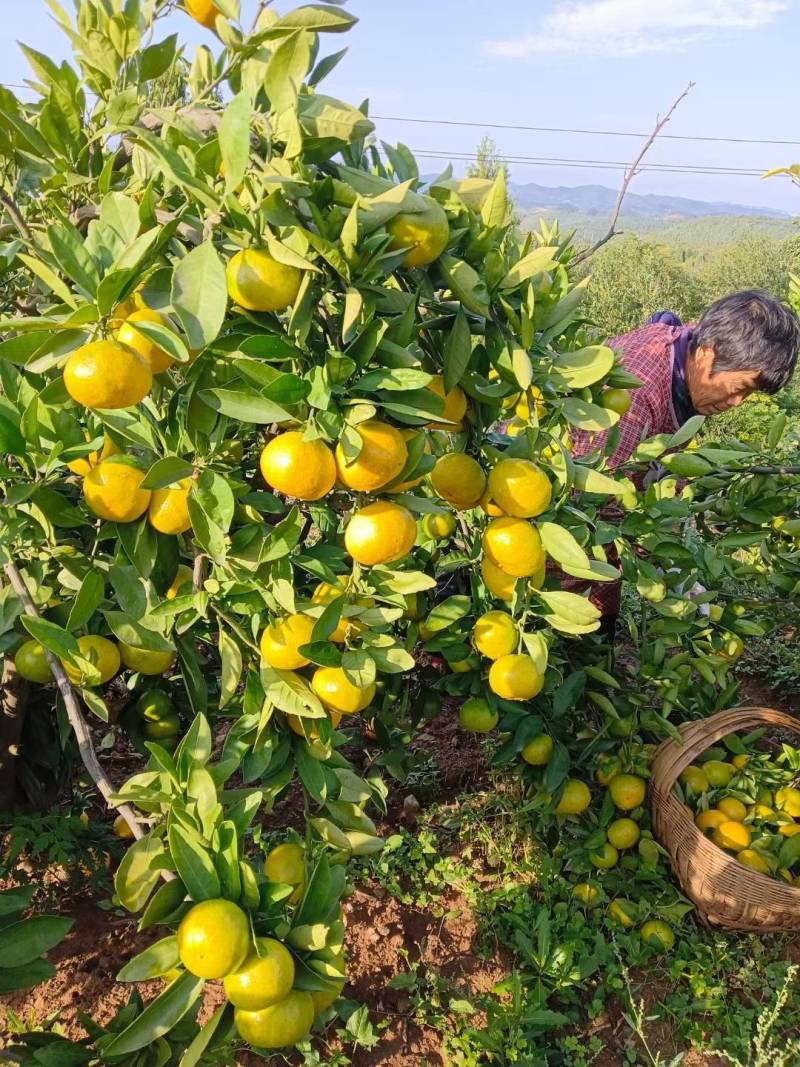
<point>76,719</point>
<point>628,177</point>
<point>16,217</point>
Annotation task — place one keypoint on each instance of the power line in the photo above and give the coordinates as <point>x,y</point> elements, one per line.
<point>594,133</point>
<point>595,164</point>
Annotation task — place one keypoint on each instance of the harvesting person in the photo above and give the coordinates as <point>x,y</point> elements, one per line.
<point>744,343</point>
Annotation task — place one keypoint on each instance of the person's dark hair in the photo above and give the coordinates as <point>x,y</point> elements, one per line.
<point>751,331</point>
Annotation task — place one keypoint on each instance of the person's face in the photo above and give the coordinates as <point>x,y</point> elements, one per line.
<point>714,393</point>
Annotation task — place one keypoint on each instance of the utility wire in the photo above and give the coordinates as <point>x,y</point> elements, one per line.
<point>610,164</point>
<point>593,133</point>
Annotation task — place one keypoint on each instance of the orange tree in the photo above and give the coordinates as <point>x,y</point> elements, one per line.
<point>254,499</point>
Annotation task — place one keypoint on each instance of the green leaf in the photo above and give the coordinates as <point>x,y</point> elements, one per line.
<point>16,899</point>
<point>54,638</point>
<point>592,481</point>
<point>23,941</point>
<point>193,864</point>
<point>160,335</point>
<point>398,379</point>
<point>234,139</point>
<point>167,471</point>
<point>560,315</point>
<point>136,878</point>
<point>587,416</point>
<point>244,406</point>
<point>50,279</point>
<point>561,545</point>
<point>157,1019</point>
<point>231,672</point>
<point>133,633</point>
<point>221,1021</point>
<point>200,294</point>
<point>466,284</point>
<point>537,648</point>
<point>152,962</point>
<point>14,979</point>
<point>584,367</point>
<point>457,352</point>
<point>521,366</point>
<point>156,59</point>
<point>359,667</point>
<point>165,902</point>
<point>286,70</point>
<point>570,612</point>
<point>449,611</point>
<point>11,440</point>
<point>291,693</point>
<point>537,261</point>
<point>495,206</point>
<point>321,18</point>
<point>88,600</point>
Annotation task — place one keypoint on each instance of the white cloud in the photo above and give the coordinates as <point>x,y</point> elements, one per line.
<point>635,27</point>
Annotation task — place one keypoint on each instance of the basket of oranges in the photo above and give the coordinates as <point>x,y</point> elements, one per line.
<point>732,825</point>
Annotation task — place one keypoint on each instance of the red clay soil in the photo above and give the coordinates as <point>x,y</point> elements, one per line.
<point>378,930</point>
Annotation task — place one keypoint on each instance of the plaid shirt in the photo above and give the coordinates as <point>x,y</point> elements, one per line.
<point>648,354</point>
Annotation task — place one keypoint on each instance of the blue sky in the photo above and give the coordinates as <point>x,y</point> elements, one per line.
<point>590,64</point>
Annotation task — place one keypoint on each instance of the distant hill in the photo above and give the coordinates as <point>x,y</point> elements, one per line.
<point>710,231</point>
<point>599,199</point>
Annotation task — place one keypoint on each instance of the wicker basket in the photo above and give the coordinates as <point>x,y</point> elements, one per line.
<point>724,891</point>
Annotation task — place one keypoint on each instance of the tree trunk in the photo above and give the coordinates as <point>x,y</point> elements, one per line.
<point>13,706</point>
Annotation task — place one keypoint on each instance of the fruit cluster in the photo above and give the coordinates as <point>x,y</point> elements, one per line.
<point>747,800</point>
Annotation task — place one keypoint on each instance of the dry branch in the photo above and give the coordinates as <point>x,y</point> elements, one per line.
<point>628,177</point>
<point>76,719</point>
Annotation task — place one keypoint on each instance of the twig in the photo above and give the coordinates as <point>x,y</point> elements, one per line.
<point>628,177</point>
<point>16,217</point>
<point>76,719</point>
<point>236,629</point>
<point>197,571</point>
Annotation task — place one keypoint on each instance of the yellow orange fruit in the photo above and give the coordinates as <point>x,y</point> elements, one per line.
<point>203,11</point>
<point>280,1025</point>
<point>459,480</point>
<point>258,282</point>
<point>156,358</point>
<point>718,773</point>
<point>754,860</point>
<point>213,938</point>
<point>112,491</point>
<point>605,857</point>
<point>586,893</point>
<point>623,912</point>
<point>121,828</point>
<point>787,800</point>
<point>520,488</point>
<point>732,809</point>
<point>145,660</point>
<point>538,750</point>
<point>382,457</point>
<point>282,639</point>
<point>424,233</point>
<point>740,761</point>
<point>731,835</point>
<point>499,584</point>
<point>455,405</point>
<point>107,375</point>
<point>490,506</point>
<point>168,511</point>
<point>295,724</point>
<point>618,400</point>
<point>476,716</point>
<point>627,791</point>
<point>302,469</point>
<point>338,693</point>
<point>709,820</point>
<point>514,546</point>
<point>265,977</point>
<point>575,798</point>
<point>101,653</point>
<point>623,833</point>
<point>438,526</point>
<point>380,533</point>
<point>286,865</point>
<point>182,583</point>
<point>31,663</point>
<point>658,935</point>
<point>515,677</point>
<point>694,779</point>
<point>522,409</point>
<point>495,635</point>
<point>84,465</point>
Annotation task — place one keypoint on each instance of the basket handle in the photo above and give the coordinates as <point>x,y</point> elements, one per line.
<point>673,757</point>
